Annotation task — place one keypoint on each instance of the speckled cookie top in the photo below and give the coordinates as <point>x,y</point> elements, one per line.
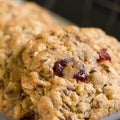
<point>62,74</point>
<point>19,23</point>
<point>73,74</point>
<point>26,16</point>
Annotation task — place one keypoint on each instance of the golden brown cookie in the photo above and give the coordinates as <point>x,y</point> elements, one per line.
<point>19,23</point>
<point>73,74</point>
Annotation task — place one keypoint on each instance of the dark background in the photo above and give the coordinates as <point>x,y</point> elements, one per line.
<point>86,13</point>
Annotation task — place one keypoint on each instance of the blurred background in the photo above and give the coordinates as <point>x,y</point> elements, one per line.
<point>86,13</point>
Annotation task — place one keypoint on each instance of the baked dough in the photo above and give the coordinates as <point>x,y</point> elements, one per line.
<point>19,23</point>
<point>73,74</point>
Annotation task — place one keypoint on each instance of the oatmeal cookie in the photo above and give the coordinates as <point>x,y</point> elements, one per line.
<point>19,23</point>
<point>26,16</point>
<point>73,74</point>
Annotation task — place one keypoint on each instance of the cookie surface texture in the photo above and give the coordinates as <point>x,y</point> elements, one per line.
<point>73,74</point>
<point>19,23</point>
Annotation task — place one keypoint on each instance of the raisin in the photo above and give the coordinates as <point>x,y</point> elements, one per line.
<point>60,65</point>
<point>81,76</point>
<point>103,56</point>
<point>29,116</point>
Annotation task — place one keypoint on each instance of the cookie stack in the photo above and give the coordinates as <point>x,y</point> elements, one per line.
<point>48,72</point>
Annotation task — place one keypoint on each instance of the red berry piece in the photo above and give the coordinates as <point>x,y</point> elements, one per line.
<point>103,56</point>
<point>60,65</point>
<point>81,76</point>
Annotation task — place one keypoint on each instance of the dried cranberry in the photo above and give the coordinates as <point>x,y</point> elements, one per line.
<point>60,65</point>
<point>103,55</point>
<point>29,116</point>
<point>81,76</point>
